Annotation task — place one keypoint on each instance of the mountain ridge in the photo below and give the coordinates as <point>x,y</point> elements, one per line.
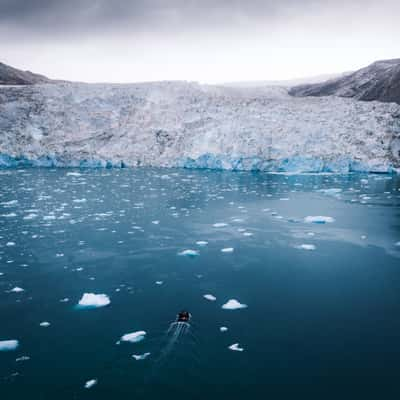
<point>379,81</point>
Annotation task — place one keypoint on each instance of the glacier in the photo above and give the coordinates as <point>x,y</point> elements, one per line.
<point>190,125</point>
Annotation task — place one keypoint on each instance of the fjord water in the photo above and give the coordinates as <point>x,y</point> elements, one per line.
<point>322,294</point>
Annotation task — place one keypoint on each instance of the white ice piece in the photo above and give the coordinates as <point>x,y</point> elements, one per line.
<point>92,300</point>
<point>8,345</point>
<point>233,304</point>
<point>235,347</point>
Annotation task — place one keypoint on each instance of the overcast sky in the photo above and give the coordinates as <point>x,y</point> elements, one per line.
<point>201,40</point>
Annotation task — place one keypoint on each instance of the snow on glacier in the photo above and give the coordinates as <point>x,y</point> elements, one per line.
<point>189,125</point>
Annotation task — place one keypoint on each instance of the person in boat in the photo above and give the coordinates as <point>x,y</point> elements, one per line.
<point>183,316</point>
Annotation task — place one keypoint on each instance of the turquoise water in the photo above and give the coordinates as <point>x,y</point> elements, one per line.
<point>323,299</point>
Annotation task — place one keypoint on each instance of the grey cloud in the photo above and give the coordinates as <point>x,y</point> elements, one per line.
<point>35,17</point>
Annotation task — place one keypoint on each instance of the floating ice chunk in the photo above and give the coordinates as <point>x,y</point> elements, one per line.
<point>17,290</point>
<point>210,297</point>
<point>235,347</point>
<point>9,203</point>
<point>140,357</point>
<point>233,304</point>
<point>8,345</point>
<point>159,282</point>
<point>91,300</point>
<point>247,234</point>
<point>319,219</point>
<point>202,243</point>
<point>331,191</point>
<point>223,329</point>
<point>22,358</point>
<point>65,300</point>
<point>73,174</point>
<point>155,222</point>
<point>134,337</point>
<point>30,216</point>
<point>305,246</point>
<point>90,383</point>
<point>44,324</point>
<point>10,244</point>
<point>227,250</point>
<point>79,200</point>
<point>219,224</point>
<point>189,253</point>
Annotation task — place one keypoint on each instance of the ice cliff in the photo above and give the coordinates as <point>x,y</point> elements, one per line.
<point>194,126</point>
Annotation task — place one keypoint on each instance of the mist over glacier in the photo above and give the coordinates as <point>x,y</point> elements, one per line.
<point>183,124</point>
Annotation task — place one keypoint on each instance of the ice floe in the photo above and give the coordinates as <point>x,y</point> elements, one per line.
<point>202,243</point>
<point>223,329</point>
<point>189,253</point>
<point>220,225</point>
<point>8,345</point>
<point>140,357</point>
<point>44,324</point>
<point>233,304</point>
<point>133,337</point>
<point>22,358</point>
<point>235,347</point>
<point>306,246</point>
<point>92,300</point>
<point>90,383</point>
<point>210,297</point>
<point>318,219</point>
<point>17,290</point>
<point>227,250</point>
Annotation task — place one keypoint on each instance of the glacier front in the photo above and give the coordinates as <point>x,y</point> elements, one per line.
<point>183,124</point>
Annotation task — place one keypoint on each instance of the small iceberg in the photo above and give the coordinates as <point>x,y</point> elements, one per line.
<point>202,243</point>
<point>210,297</point>
<point>44,324</point>
<point>8,345</point>
<point>223,329</point>
<point>331,191</point>
<point>233,304</point>
<point>22,358</point>
<point>91,300</point>
<point>319,219</point>
<point>189,253</point>
<point>235,347</point>
<point>227,250</point>
<point>17,290</point>
<point>306,247</point>
<point>133,337</point>
<point>140,357</point>
<point>90,383</point>
<point>220,225</point>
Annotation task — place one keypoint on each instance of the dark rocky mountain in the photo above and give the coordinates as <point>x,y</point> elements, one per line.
<point>379,81</point>
<point>14,76</point>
